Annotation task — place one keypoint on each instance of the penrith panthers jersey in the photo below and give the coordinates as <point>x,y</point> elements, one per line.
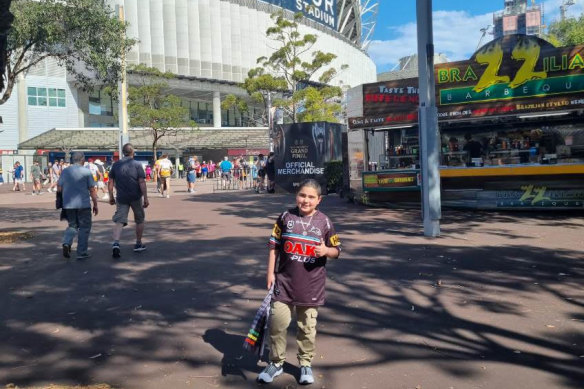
<point>300,275</point>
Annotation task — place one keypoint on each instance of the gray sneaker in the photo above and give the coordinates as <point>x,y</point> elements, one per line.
<point>270,372</point>
<point>306,376</point>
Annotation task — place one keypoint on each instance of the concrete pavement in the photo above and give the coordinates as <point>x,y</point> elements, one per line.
<point>496,302</point>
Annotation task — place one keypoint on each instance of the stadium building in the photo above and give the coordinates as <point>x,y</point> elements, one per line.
<point>210,45</point>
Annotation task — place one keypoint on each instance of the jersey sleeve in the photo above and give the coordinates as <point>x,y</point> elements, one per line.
<point>331,237</point>
<point>276,236</point>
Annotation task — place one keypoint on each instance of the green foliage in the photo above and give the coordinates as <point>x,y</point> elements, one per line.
<point>151,107</point>
<point>567,32</point>
<point>320,105</point>
<point>71,32</point>
<point>333,172</point>
<point>291,65</point>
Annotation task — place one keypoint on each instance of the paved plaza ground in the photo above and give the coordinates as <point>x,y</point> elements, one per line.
<point>496,302</point>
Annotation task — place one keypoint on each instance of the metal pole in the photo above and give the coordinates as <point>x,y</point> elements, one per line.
<point>428,122</point>
<point>270,120</point>
<point>123,94</point>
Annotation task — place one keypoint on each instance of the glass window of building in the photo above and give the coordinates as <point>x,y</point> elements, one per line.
<point>101,104</point>
<point>52,97</point>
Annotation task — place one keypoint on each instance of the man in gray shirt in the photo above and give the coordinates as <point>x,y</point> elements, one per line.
<point>77,185</point>
<point>35,173</point>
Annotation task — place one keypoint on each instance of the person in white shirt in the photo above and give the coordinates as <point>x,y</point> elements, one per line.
<point>165,172</point>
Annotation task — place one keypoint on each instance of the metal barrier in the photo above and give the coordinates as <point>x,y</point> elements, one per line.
<point>236,180</point>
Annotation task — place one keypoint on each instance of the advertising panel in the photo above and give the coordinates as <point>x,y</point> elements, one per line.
<point>384,181</point>
<point>301,151</point>
<point>513,75</point>
<point>321,11</point>
<point>516,74</point>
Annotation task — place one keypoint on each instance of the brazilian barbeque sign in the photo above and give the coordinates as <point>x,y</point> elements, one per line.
<point>513,75</point>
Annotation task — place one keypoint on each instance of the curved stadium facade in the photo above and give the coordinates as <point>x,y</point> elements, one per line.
<point>210,44</point>
<point>222,39</point>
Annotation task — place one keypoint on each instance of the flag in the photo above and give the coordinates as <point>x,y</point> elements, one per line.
<point>256,340</point>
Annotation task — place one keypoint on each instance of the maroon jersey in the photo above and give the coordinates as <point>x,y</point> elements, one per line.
<point>300,274</point>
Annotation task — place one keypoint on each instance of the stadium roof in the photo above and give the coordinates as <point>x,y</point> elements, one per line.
<point>106,139</point>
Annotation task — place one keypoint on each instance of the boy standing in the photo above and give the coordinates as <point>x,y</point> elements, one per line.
<point>302,238</point>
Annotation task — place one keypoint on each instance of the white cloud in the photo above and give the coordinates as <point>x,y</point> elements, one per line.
<point>551,10</point>
<point>456,34</point>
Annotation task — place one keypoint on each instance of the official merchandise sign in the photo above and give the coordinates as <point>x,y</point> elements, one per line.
<point>321,11</point>
<point>301,151</point>
<point>385,182</point>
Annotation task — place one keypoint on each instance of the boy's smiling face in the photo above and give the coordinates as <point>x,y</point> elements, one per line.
<point>307,199</point>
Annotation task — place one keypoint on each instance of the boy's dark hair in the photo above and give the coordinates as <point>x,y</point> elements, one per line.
<point>311,183</point>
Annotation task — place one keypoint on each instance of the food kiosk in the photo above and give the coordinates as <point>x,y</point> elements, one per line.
<point>511,123</point>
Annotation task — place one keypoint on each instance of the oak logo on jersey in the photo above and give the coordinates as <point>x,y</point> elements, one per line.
<point>276,232</point>
<point>335,241</point>
<point>300,249</point>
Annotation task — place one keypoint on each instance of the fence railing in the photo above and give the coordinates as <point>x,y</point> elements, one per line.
<point>235,179</point>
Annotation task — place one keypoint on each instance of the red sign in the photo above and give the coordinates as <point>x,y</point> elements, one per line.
<point>237,152</point>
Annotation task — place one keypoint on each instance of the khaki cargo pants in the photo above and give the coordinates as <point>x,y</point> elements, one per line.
<point>280,318</point>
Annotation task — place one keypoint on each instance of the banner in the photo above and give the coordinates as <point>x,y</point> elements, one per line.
<point>321,11</point>
<point>516,74</point>
<point>301,151</point>
<point>383,181</point>
<point>513,75</point>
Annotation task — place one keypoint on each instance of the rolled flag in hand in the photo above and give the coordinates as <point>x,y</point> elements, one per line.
<point>256,340</point>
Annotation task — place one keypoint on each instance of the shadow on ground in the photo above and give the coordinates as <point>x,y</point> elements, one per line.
<point>188,300</point>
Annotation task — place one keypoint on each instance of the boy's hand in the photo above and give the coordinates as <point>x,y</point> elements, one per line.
<point>270,279</point>
<point>321,250</point>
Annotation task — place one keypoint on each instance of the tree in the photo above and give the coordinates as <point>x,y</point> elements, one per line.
<point>289,77</point>
<point>73,32</point>
<point>6,19</point>
<point>568,32</point>
<point>151,107</point>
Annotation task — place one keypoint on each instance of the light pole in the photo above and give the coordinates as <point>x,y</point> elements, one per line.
<point>428,122</point>
<point>123,136</point>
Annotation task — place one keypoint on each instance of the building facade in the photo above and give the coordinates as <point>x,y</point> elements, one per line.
<point>209,44</point>
<point>518,17</point>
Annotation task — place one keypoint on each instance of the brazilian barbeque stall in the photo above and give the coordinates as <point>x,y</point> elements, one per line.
<point>511,123</point>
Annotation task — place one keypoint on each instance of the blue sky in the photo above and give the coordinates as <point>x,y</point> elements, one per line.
<point>457,25</point>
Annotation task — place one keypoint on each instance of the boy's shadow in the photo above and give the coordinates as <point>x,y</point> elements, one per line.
<point>236,361</point>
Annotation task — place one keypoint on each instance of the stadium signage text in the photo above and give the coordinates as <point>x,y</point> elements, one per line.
<point>321,11</point>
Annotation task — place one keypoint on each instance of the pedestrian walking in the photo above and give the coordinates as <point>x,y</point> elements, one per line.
<point>271,172</point>
<point>225,166</point>
<point>18,176</point>
<point>181,170</point>
<point>55,174</point>
<point>77,185</point>
<point>165,169</point>
<point>212,166</point>
<point>261,166</point>
<point>302,239</point>
<point>191,174</point>
<point>129,179</point>
<point>101,178</point>
<point>204,171</point>
<point>35,175</point>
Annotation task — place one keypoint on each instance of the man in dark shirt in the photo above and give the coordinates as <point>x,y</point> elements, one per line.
<point>129,179</point>
<point>474,148</point>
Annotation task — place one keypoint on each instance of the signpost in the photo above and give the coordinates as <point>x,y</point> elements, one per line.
<point>428,122</point>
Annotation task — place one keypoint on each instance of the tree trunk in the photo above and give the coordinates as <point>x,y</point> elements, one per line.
<point>155,173</point>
